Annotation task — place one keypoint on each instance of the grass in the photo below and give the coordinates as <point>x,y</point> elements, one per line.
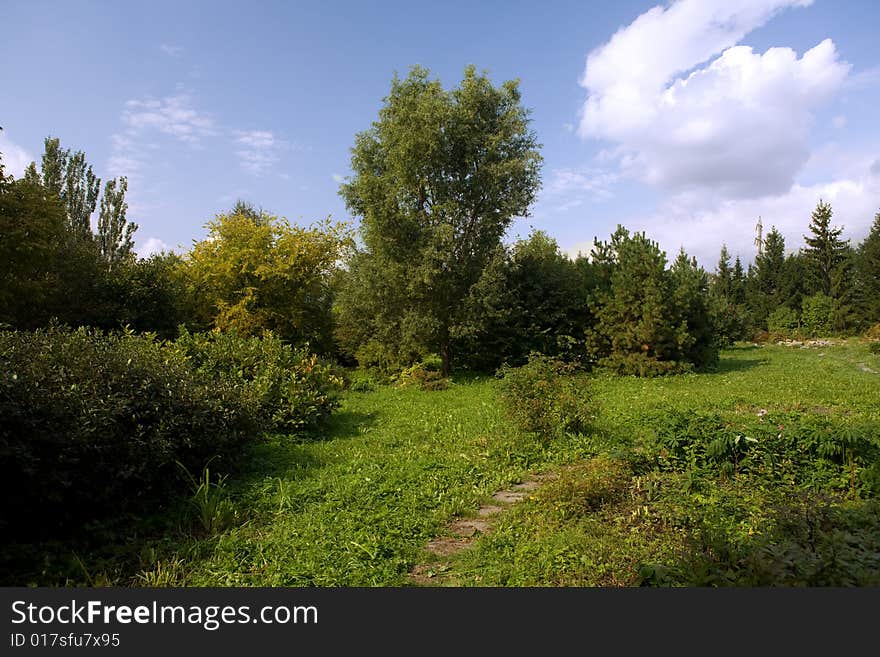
<point>688,526</point>
<point>356,506</point>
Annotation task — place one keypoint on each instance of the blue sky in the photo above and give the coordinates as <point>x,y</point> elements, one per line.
<point>686,119</point>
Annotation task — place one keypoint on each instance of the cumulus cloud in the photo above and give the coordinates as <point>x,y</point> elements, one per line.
<point>150,246</point>
<point>683,220</point>
<point>15,158</point>
<point>689,110</point>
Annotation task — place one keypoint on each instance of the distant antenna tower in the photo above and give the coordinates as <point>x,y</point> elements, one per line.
<point>759,238</point>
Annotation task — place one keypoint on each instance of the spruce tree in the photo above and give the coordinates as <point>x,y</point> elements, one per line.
<point>867,275</point>
<point>695,329</point>
<point>825,251</point>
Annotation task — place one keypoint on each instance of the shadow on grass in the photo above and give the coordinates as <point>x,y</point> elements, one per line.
<point>726,365</point>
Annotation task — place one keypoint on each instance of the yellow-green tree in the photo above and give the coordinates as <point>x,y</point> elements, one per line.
<point>255,271</point>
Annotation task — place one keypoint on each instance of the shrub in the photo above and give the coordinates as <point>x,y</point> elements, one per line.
<point>874,348</point>
<point>362,382</point>
<point>543,397</point>
<point>817,313</point>
<point>425,374</point>
<point>587,486</point>
<point>643,365</point>
<point>293,389</point>
<point>92,424</point>
<point>783,322</point>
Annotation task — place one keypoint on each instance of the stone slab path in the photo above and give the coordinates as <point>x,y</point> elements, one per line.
<point>461,532</point>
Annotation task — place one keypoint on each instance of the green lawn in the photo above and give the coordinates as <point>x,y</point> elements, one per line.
<point>357,506</point>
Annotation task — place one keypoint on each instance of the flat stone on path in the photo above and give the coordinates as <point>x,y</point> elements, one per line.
<point>489,510</point>
<point>469,526</point>
<point>446,545</point>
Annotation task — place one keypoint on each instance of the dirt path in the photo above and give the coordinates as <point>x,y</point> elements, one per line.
<point>461,532</point>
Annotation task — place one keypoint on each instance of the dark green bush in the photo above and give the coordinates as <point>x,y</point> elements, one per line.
<point>874,348</point>
<point>543,397</point>
<point>293,389</point>
<point>643,365</point>
<point>92,424</point>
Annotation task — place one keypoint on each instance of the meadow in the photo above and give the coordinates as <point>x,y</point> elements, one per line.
<point>763,471</point>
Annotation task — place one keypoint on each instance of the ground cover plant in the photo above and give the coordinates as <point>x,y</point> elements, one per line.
<point>658,491</point>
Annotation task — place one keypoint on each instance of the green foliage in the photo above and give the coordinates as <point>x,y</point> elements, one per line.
<point>825,251</point>
<point>586,486</point>
<point>544,398</point>
<point>766,284</point>
<point>92,424</point>
<point>437,180</point>
<point>817,315</point>
<point>867,276</point>
<point>292,389</point>
<point>874,348</point>
<point>251,275</point>
<point>650,320</point>
<point>210,501</point>
<point>531,297</point>
<point>783,322</point>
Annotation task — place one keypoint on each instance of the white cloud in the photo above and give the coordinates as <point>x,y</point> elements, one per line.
<point>337,178</point>
<point>150,246</point>
<point>15,158</point>
<point>684,220</point>
<point>258,150</point>
<point>735,126</point>
<point>171,51</point>
<point>172,115</point>
<point>839,121</point>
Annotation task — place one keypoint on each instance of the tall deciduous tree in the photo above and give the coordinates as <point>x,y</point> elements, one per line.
<point>437,180</point>
<point>114,230</point>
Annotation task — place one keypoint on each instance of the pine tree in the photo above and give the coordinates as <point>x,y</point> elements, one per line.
<point>825,250</point>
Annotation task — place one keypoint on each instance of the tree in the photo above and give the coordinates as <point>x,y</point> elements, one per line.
<point>867,274</point>
<point>696,332</point>
<point>31,246</point>
<point>437,180</point>
<point>114,230</point>
<point>765,289</point>
<point>722,281</point>
<point>637,330</point>
<point>825,251</point>
<point>267,274</point>
<point>529,299</point>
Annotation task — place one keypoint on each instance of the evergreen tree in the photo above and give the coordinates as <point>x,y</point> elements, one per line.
<point>695,330</point>
<point>638,331</point>
<point>867,275</point>
<point>738,283</point>
<point>722,281</point>
<point>766,290</point>
<point>825,251</point>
